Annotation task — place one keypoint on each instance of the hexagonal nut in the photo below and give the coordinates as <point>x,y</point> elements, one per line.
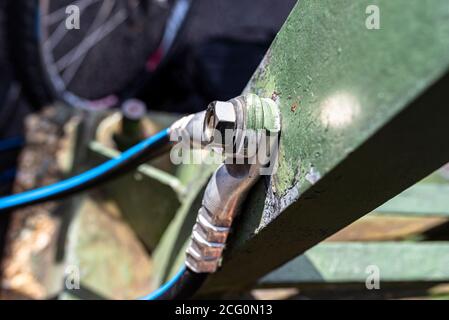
<point>220,121</point>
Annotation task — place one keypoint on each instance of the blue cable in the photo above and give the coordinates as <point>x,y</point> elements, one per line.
<point>167,286</point>
<point>53,190</point>
<point>10,144</point>
<point>92,174</point>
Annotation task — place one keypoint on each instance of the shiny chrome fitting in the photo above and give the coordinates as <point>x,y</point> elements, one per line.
<point>208,231</point>
<point>198,265</point>
<point>203,256</point>
<point>209,250</point>
<point>231,182</point>
<point>222,199</point>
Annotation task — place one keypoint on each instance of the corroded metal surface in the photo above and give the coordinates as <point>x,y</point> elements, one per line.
<point>363,119</point>
<point>356,125</point>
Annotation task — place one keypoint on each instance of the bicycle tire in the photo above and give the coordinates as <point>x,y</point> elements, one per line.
<point>28,57</point>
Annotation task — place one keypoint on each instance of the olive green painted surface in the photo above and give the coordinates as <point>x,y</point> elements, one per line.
<point>105,253</point>
<point>147,198</point>
<point>354,133</point>
<point>429,197</point>
<point>423,199</point>
<point>337,81</point>
<point>354,262</point>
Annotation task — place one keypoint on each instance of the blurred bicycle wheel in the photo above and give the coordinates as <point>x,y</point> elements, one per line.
<point>90,67</point>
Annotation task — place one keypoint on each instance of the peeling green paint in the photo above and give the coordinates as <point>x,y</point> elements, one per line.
<point>320,62</point>
<point>347,96</point>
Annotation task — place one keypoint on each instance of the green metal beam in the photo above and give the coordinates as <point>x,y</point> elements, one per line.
<point>343,263</point>
<point>138,196</point>
<point>364,117</point>
<point>424,199</point>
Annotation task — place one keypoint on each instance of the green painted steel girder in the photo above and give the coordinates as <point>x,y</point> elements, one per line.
<point>343,263</point>
<point>424,199</point>
<point>364,115</point>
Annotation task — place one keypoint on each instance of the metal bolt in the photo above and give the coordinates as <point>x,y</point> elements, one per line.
<point>220,118</point>
<point>134,109</point>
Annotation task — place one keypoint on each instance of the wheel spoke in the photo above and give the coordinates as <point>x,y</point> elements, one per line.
<point>100,18</point>
<point>89,42</point>
<point>108,16</point>
<point>60,14</point>
<point>61,30</point>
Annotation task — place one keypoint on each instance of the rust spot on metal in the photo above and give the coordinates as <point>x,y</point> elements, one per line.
<point>275,95</point>
<point>294,107</point>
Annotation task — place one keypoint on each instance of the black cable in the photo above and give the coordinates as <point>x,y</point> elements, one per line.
<point>189,283</point>
<point>182,286</point>
<point>126,162</point>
